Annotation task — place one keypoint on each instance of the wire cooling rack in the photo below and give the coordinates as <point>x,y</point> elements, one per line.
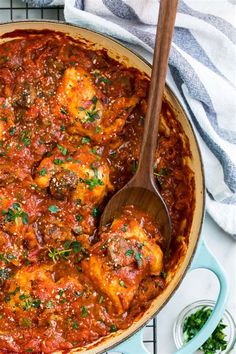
<point>13,10</point>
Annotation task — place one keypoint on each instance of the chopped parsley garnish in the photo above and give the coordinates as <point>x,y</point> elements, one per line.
<point>43,172</point>
<point>55,254</point>
<point>60,292</point>
<point>76,246</point>
<point>3,258</point>
<point>138,258</point>
<point>14,292</point>
<point>134,166</point>
<point>78,217</point>
<point>36,303</point>
<point>193,324</point>
<point>11,256</point>
<point>91,116</point>
<point>28,302</point>
<point>26,305</point>
<point>122,284</point>
<point>69,246</point>
<point>78,201</point>
<point>6,258</point>
<point>162,172</point>
<point>25,254</point>
<point>104,79</point>
<point>104,246</point>
<point>15,212</point>
<point>7,298</point>
<point>75,325</point>
<point>25,138</point>
<point>94,151</point>
<point>77,230</point>
<point>53,209</point>
<point>26,141</point>
<point>85,140</point>
<point>93,182</point>
<point>58,161</point>
<point>84,311</point>
<point>124,227</point>
<point>113,328</point>
<point>163,274</point>
<point>62,149</point>
<point>12,130</point>
<point>96,212</point>
<point>49,304</point>
<point>24,218</point>
<point>112,154</point>
<point>79,293</point>
<point>129,253</point>
<point>98,129</point>
<point>94,100</point>
<point>63,128</point>
<point>11,293</point>
<point>63,110</point>
<point>26,322</point>
<point>100,300</point>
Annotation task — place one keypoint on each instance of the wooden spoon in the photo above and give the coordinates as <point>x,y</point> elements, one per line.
<point>141,191</point>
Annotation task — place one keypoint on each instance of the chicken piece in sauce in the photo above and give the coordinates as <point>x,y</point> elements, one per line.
<point>123,257</point>
<point>90,113</point>
<point>82,175</point>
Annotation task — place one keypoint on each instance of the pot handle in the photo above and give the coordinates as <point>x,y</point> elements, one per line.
<point>204,259</point>
<point>132,345</point>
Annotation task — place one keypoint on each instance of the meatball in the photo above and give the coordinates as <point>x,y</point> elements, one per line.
<point>62,184</point>
<point>51,231</point>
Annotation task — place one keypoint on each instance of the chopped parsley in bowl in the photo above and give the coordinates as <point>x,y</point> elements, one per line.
<point>193,317</point>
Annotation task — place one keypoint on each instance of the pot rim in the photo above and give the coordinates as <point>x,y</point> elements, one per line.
<point>198,241</point>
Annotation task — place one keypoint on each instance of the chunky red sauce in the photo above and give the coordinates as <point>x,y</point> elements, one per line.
<point>71,123</point>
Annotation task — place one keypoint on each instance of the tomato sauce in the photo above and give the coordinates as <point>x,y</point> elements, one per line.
<point>71,124</point>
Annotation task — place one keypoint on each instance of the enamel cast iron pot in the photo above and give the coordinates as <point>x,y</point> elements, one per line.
<point>129,341</point>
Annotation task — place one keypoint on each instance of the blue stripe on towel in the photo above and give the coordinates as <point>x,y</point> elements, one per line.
<point>228,166</point>
<point>120,9</point>
<point>219,23</point>
<point>189,76</point>
<point>186,41</point>
<point>79,4</point>
<point>226,134</point>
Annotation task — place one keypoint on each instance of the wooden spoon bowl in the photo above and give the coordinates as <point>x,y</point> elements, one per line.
<point>143,199</point>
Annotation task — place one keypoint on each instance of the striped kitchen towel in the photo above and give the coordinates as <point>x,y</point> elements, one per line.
<point>202,72</point>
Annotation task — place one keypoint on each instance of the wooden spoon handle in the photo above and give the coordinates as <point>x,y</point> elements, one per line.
<point>166,21</point>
